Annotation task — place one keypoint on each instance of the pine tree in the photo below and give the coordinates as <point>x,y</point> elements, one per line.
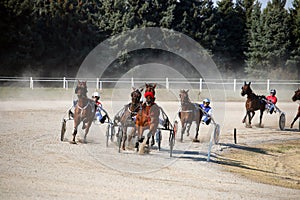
<point>275,41</point>
<point>294,60</point>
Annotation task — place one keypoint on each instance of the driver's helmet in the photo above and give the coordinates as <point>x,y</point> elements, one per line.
<point>206,101</point>
<point>96,95</point>
<point>273,91</point>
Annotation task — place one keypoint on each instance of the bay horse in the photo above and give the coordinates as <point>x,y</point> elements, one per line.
<point>148,116</point>
<point>254,102</point>
<point>295,98</point>
<point>126,118</point>
<point>188,114</point>
<point>84,110</point>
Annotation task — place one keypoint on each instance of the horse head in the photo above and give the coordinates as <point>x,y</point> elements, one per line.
<point>81,89</point>
<point>136,95</point>
<point>150,93</point>
<point>246,89</point>
<point>296,95</point>
<point>184,97</point>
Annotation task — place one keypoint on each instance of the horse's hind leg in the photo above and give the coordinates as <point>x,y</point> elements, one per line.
<point>124,137</point>
<point>260,117</point>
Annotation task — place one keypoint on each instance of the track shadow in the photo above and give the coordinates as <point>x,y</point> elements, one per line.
<point>245,148</point>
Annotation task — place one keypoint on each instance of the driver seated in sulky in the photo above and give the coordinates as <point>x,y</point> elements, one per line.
<point>271,101</point>
<point>206,118</point>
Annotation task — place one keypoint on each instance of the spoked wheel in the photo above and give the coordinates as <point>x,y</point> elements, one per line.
<point>158,139</point>
<point>282,121</point>
<point>171,142</point>
<point>216,134</point>
<point>63,130</point>
<point>119,138</point>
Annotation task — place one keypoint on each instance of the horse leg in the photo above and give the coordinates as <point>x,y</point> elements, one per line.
<point>295,119</point>
<point>183,125</point>
<point>188,127</point>
<point>244,120</point>
<point>250,118</point>
<point>260,117</point>
<point>124,137</point>
<point>87,128</point>
<point>197,132</point>
<point>76,123</point>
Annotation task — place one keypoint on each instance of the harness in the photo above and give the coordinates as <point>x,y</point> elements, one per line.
<point>82,109</point>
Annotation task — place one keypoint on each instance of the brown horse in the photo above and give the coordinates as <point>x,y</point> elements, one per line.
<point>84,110</point>
<point>253,103</point>
<point>295,98</point>
<point>126,117</point>
<point>188,114</point>
<point>148,116</point>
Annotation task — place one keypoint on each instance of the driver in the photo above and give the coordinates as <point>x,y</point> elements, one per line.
<point>206,118</point>
<point>271,101</point>
<point>98,106</point>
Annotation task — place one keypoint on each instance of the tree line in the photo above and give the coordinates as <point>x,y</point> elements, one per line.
<point>243,38</point>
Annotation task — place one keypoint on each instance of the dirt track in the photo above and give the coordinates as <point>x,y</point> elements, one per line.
<point>35,164</point>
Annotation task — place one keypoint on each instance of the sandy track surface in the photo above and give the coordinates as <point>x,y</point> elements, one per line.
<point>35,164</point>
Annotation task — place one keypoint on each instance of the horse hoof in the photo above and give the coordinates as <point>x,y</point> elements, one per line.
<point>188,134</point>
<point>196,140</point>
<point>248,126</point>
<point>73,142</point>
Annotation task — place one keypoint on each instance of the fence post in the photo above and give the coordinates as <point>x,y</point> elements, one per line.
<point>97,84</point>
<point>31,83</point>
<point>100,85</point>
<point>67,85</point>
<point>200,85</point>
<point>167,83</point>
<point>64,83</point>
<point>268,85</point>
<point>234,85</point>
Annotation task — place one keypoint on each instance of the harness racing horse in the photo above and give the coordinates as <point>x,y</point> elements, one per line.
<point>126,118</point>
<point>295,98</point>
<point>189,112</point>
<point>148,116</point>
<point>84,110</point>
<point>253,103</point>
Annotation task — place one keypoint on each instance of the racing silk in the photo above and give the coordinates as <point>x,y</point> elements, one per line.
<point>206,109</point>
<point>271,98</point>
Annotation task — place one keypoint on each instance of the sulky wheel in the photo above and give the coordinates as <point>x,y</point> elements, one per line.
<point>171,142</point>
<point>107,134</point>
<point>282,121</point>
<point>63,130</point>
<point>217,133</point>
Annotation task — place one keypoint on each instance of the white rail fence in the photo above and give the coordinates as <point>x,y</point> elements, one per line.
<point>63,82</point>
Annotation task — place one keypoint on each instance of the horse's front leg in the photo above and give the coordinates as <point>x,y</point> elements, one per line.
<point>197,132</point>
<point>250,118</point>
<point>76,123</point>
<point>87,130</point>
<point>295,119</point>
<point>188,127</point>
<point>183,125</point>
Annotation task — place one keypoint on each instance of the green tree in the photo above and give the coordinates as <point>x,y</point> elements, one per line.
<point>294,61</point>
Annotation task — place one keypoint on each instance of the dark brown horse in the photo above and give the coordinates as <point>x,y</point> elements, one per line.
<point>148,116</point>
<point>253,103</point>
<point>188,114</point>
<point>84,110</point>
<point>126,117</point>
<point>295,98</point>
